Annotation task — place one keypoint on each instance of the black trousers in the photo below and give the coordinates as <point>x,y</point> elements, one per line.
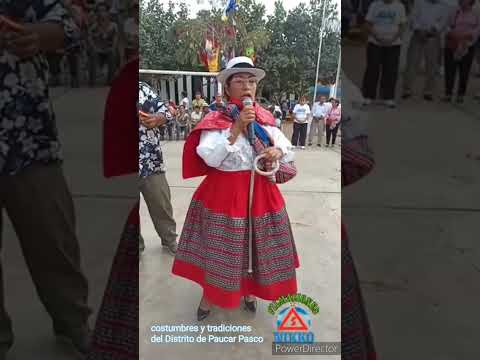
<point>299,134</point>
<point>382,64</point>
<point>332,134</point>
<point>101,59</point>
<point>74,65</point>
<point>464,65</point>
<point>54,61</point>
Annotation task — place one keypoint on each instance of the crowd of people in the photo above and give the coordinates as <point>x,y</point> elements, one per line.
<point>322,120</point>
<point>444,39</point>
<point>108,39</point>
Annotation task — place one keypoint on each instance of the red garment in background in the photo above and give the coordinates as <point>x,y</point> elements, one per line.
<point>120,130</point>
<point>116,329</point>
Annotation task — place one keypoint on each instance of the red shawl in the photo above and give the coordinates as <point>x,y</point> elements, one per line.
<point>192,164</point>
<point>120,132</point>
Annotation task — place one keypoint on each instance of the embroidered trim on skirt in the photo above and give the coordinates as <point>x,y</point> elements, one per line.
<point>213,246</point>
<point>116,330</point>
<point>357,341</point>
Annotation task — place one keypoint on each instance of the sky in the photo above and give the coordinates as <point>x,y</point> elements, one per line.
<point>269,4</point>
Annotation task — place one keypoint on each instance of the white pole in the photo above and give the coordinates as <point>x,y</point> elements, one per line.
<point>319,49</point>
<point>337,78</point>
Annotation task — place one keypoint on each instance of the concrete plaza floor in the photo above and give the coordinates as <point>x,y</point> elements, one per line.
<point>102,206</point>
<point>413,224</point>
<point>313,203</point>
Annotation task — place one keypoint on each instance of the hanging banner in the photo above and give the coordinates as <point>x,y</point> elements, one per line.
<point>213,60</point>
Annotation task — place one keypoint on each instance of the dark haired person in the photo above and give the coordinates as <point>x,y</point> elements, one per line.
<point>185,101</point>
<point>464,30</point>
<point>102,42</point>
<point>429,21</point>
<point>214,249</point>
<point>385,23</point>
<point>130,31</point>
<point>217,104</point>
<point>320,110</point>
<point>196,116</point>
<point>332,122</point>
<point>301,114</point>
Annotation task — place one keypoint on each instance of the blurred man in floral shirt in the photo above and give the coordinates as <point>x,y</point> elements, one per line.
<point>153,182</point>
<point>33,190</point>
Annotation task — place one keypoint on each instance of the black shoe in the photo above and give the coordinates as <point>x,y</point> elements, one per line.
<point>319,145</point>
<point>251,305</point>
<point>447,99</point>
<point>406,96</point>
<point>202,314</point>
<point>309,144</point>
<point>172,247</point>
<point>428,97</point>
<point>79,338</point>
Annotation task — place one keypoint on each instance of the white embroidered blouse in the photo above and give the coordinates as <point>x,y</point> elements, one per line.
<point>215,149</point>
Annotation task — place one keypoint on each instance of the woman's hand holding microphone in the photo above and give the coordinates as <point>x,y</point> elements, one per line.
<point>247,116</point>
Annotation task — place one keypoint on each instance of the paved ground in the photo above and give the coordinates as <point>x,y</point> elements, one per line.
<point>313,202</point>
<point>101,206</point>
<point>413,225</point>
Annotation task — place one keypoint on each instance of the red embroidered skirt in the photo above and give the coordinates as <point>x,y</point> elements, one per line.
<point>357,340</point>
<point>116,329</point>
<point>213,246</point>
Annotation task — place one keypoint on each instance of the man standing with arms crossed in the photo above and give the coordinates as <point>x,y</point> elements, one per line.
<point>153,182</point>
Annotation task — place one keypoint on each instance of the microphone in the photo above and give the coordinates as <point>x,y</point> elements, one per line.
<point>246,101</point>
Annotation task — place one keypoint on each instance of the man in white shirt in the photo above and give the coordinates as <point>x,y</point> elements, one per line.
<point>320,110</point>
<point>300,113</point>
<point>429,21</point>
<point>196,116</point>
<point>185,102</point>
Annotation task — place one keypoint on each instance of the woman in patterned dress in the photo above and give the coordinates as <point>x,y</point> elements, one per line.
<point>213,250</point>
<point>357,162</point>
<point>116,330</point>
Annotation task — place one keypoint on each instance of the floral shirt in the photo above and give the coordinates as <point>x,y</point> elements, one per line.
<point>150,152</point>
<point>28,132</point>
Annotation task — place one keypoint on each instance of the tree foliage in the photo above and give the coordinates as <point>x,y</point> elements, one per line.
<point>285,43</point>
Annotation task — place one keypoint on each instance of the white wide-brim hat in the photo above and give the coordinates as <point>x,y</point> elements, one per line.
<point>240,64</point>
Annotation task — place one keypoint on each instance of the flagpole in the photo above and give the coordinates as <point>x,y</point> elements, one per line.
<point>337,78</point>
<point>319,50</point>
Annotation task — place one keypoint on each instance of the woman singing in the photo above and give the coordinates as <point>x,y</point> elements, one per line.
<point>214,249</point>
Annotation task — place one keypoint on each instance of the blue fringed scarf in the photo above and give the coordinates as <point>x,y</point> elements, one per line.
<point>233,112</point>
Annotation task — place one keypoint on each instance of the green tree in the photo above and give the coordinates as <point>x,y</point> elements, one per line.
<point>286,44</point>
